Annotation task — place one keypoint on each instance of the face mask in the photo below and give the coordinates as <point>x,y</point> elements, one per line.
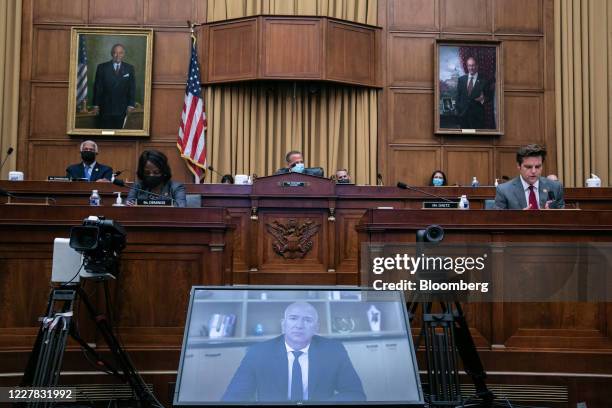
<point>298,168</point>
<point>438,182</point>
<point>344,181</point>
<point>152,181</point>
<point>88,157</point>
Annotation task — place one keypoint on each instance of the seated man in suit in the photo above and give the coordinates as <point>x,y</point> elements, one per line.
<point>296,366</point>
<point>89,169</point>
<point>530,191</point>
<point>295,164</point>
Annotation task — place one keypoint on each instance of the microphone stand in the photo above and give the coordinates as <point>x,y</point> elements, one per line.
<point>8,154</point>
<point>409,187</point>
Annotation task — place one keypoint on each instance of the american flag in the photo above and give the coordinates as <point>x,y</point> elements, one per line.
<point>192,132</point>
<point>82,72</point>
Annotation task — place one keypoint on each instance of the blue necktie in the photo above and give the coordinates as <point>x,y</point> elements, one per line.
<point>88,172</point>
<point>297,391</point>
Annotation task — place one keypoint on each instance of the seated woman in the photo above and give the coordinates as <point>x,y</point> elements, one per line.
<point>155,180</point>
<point>438,179</point>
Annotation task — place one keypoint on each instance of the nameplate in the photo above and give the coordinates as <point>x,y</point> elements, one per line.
<point>58,178</point>
<point>158,202</point>
<point>440,204</point>
<point>468,131</point>
<point>293,184</point>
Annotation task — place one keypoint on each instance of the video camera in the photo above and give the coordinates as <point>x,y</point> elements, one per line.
<point>101,242</point>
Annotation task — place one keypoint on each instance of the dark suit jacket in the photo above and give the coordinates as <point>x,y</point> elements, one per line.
<point>511,195</point>
<point>471,112</point>
<point>99,171</point>
<point>114,92</point>
<point>171,189</point>
<point>263,373</point>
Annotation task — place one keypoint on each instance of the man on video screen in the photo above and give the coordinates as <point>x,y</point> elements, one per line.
<point>297,365</point>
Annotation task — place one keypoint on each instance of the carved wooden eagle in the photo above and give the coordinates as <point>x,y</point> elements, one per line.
<point>292,240</point>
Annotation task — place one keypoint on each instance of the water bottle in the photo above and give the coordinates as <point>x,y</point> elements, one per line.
<point>464,204</point>
<point>475,182</point>
<point>94,198</point>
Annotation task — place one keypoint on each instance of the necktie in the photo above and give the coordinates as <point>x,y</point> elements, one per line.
<point>470,85</point>
<point>297,391</point>
<point>116,68</point>
<point>88,172</point>
<point>533,202</point>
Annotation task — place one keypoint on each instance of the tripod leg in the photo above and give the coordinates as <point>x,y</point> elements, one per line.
<point>130,375</point>
<point>469,355</point>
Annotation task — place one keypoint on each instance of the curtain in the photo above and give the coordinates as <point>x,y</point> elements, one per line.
<point>10,46</point>
<point>583,76</point>
<point>251,126</point>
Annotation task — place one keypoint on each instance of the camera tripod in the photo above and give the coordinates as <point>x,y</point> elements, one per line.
<point>447,334</point>
<point>45,362</point>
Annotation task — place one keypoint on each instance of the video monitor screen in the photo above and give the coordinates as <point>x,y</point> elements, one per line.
<point>296,346</point>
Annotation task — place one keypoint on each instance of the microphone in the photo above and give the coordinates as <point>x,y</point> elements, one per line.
<point>379,180</point>
<point>408,187</point>
<point>121,183</point>
<point>211,168</point>
<point>116,174</point>
<point>8,153</point>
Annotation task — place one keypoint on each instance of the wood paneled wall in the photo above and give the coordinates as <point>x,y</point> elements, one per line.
<point>409,148</point>
<point>44,147</point>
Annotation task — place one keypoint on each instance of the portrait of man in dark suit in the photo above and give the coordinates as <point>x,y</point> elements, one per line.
<point>298,365</point>
<point>114,90</point>
<point>473,91</point>
<point>468,88</point>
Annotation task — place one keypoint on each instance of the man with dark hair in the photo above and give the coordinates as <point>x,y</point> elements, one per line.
<point>89,169</point>
<point>114,90</point>
<point>472,93</point>
<point>530,191</point>
<point>296,366</point>
<point>295,164</point>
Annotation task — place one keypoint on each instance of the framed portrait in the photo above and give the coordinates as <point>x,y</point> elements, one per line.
<point>469,87</point>
<point>110,81</point>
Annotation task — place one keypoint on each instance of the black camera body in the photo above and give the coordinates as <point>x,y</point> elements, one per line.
<point>101,242</point>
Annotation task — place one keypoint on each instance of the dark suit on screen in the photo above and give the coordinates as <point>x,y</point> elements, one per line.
<point>511,195</point>
<point>100,171</point>
<point>113,93</point>
<point>471,113</point>
<point>263,373</point>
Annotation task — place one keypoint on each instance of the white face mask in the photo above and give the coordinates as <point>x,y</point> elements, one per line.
<point>298,168</point>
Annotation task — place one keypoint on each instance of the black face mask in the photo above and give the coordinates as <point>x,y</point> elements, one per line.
<point>343,181</point>
<point>152,181</point>
<point>88,157</point>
